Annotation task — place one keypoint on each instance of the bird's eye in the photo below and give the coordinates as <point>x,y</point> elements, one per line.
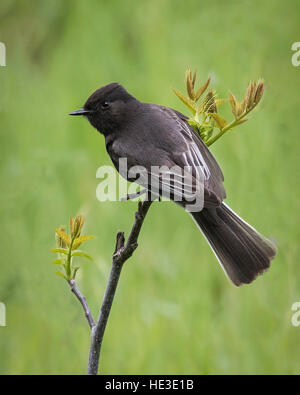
<point>105,105</point>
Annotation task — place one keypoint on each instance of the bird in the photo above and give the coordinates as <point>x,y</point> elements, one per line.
<point>150,135</point>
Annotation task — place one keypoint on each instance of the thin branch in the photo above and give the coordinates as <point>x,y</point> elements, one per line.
<point>83,302</point>
<point>132,196</point>
<point>122,253</point>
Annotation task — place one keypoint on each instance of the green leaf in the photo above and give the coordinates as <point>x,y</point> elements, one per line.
<point>57,262</point>
<point>233,103</point>
<point>218,102</point>
<point>81,239</point>
<point>209,102</point>
<point>202,89</point>
<point>220,121</point>
<point>190,84</point>
<point>63,236</point>
<point>82,253</point>
<point>60,250</point>
<point>61,275</point>
<point>188,102</point>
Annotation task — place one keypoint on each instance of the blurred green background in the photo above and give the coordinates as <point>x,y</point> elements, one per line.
<point>175,311</point>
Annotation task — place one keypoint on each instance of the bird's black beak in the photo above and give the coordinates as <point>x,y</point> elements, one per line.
<point>82,111</point>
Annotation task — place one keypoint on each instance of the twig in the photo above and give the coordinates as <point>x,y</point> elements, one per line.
<point>122,253</point>
<point>83,302</point>
<point>132,196</point>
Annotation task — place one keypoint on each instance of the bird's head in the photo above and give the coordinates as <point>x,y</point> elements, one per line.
<point>107,107</point>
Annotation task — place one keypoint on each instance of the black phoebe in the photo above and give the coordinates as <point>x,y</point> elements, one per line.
<point>151,135</point>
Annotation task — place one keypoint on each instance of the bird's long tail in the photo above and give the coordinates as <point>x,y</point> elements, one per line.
<point>242,252</point>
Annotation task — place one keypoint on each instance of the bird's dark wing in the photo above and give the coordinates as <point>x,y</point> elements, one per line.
<point>194,152</point>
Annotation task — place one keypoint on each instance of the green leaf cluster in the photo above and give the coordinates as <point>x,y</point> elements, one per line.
<point>67,248</point>
<point>206,120</point>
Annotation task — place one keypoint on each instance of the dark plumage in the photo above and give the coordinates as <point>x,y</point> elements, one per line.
<point>151,135</point>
